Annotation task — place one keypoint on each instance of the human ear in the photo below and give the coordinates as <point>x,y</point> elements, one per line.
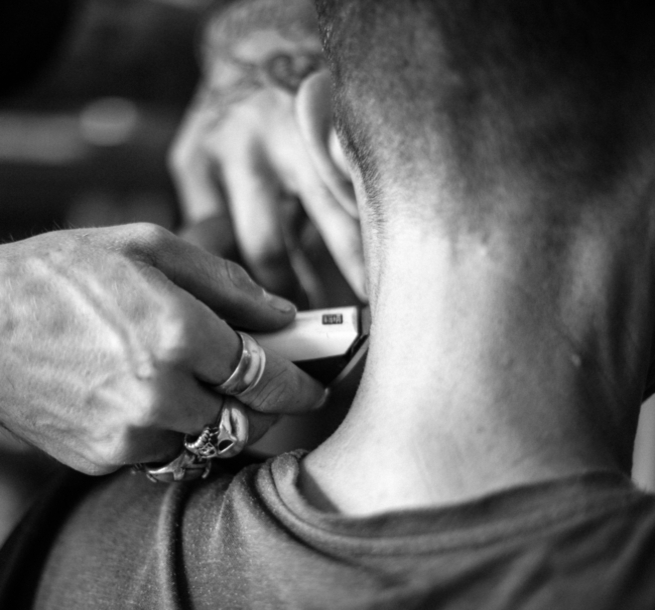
<point>314,116</point>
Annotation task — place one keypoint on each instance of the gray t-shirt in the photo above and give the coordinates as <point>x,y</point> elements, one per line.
<point>251,541</point>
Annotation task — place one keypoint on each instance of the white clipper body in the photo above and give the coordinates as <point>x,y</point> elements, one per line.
<point>325,343</point>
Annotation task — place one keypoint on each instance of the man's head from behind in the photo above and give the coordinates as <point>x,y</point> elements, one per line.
<point>499,96</point>
<point>503,156</point>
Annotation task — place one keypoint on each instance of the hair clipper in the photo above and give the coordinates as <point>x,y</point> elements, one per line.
<point>325,343</point>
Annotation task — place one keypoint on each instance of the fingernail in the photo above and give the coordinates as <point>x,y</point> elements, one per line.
<point>279,303</point>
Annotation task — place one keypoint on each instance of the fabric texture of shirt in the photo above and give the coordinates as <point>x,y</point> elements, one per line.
<point>250,540</point>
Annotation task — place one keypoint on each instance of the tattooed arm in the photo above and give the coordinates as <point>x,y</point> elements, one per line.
<point>239,162</point>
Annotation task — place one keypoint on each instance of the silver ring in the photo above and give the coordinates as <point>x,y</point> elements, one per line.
<point>223,440</point>
<point>248,372</point>
<point>185,467</point>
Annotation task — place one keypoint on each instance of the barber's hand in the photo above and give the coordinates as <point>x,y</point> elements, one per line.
<point>239,160</point>
<point>113,338</point>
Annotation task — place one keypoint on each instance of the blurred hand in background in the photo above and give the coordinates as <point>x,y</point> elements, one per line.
<point>245,179</point>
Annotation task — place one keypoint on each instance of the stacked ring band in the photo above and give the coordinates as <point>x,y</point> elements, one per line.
<point>185,467</point>
<point>248,371</point>
<point>226,439</point>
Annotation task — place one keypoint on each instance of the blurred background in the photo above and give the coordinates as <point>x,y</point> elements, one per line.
<point>85,144</point>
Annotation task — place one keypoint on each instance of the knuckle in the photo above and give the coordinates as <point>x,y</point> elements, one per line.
<point>238,276</point>
<point>146,415</point>
<point>109,455</point>
<point>150,234</point>
<point>133,444</point>
<point>145,239</point>
<point>146,412</point>
<point>270,395</point>
<point>177,341</point>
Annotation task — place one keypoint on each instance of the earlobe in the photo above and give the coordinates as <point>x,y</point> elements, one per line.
<point>314,115</point>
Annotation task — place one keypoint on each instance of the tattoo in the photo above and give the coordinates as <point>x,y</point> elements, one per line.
<point>288,71</point>
<point>293,20</point>
<point>254,44</point>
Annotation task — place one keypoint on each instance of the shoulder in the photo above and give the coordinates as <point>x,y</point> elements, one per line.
<point>88,530</point>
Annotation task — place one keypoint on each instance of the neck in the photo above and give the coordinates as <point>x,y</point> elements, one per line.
<point>493,362</point>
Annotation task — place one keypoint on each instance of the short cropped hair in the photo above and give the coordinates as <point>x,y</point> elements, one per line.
<point>556,91</point>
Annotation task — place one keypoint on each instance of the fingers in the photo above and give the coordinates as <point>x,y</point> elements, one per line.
<point>211,352</point>
<point>191,167</point>
<point>256,208</point>
<point>201,350</point>
<point>283,387</point>
<point>246,425</point>
<point>119,364</point>
<point>249,188</point>
<point>156,436</point>
<point>223,286</point>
